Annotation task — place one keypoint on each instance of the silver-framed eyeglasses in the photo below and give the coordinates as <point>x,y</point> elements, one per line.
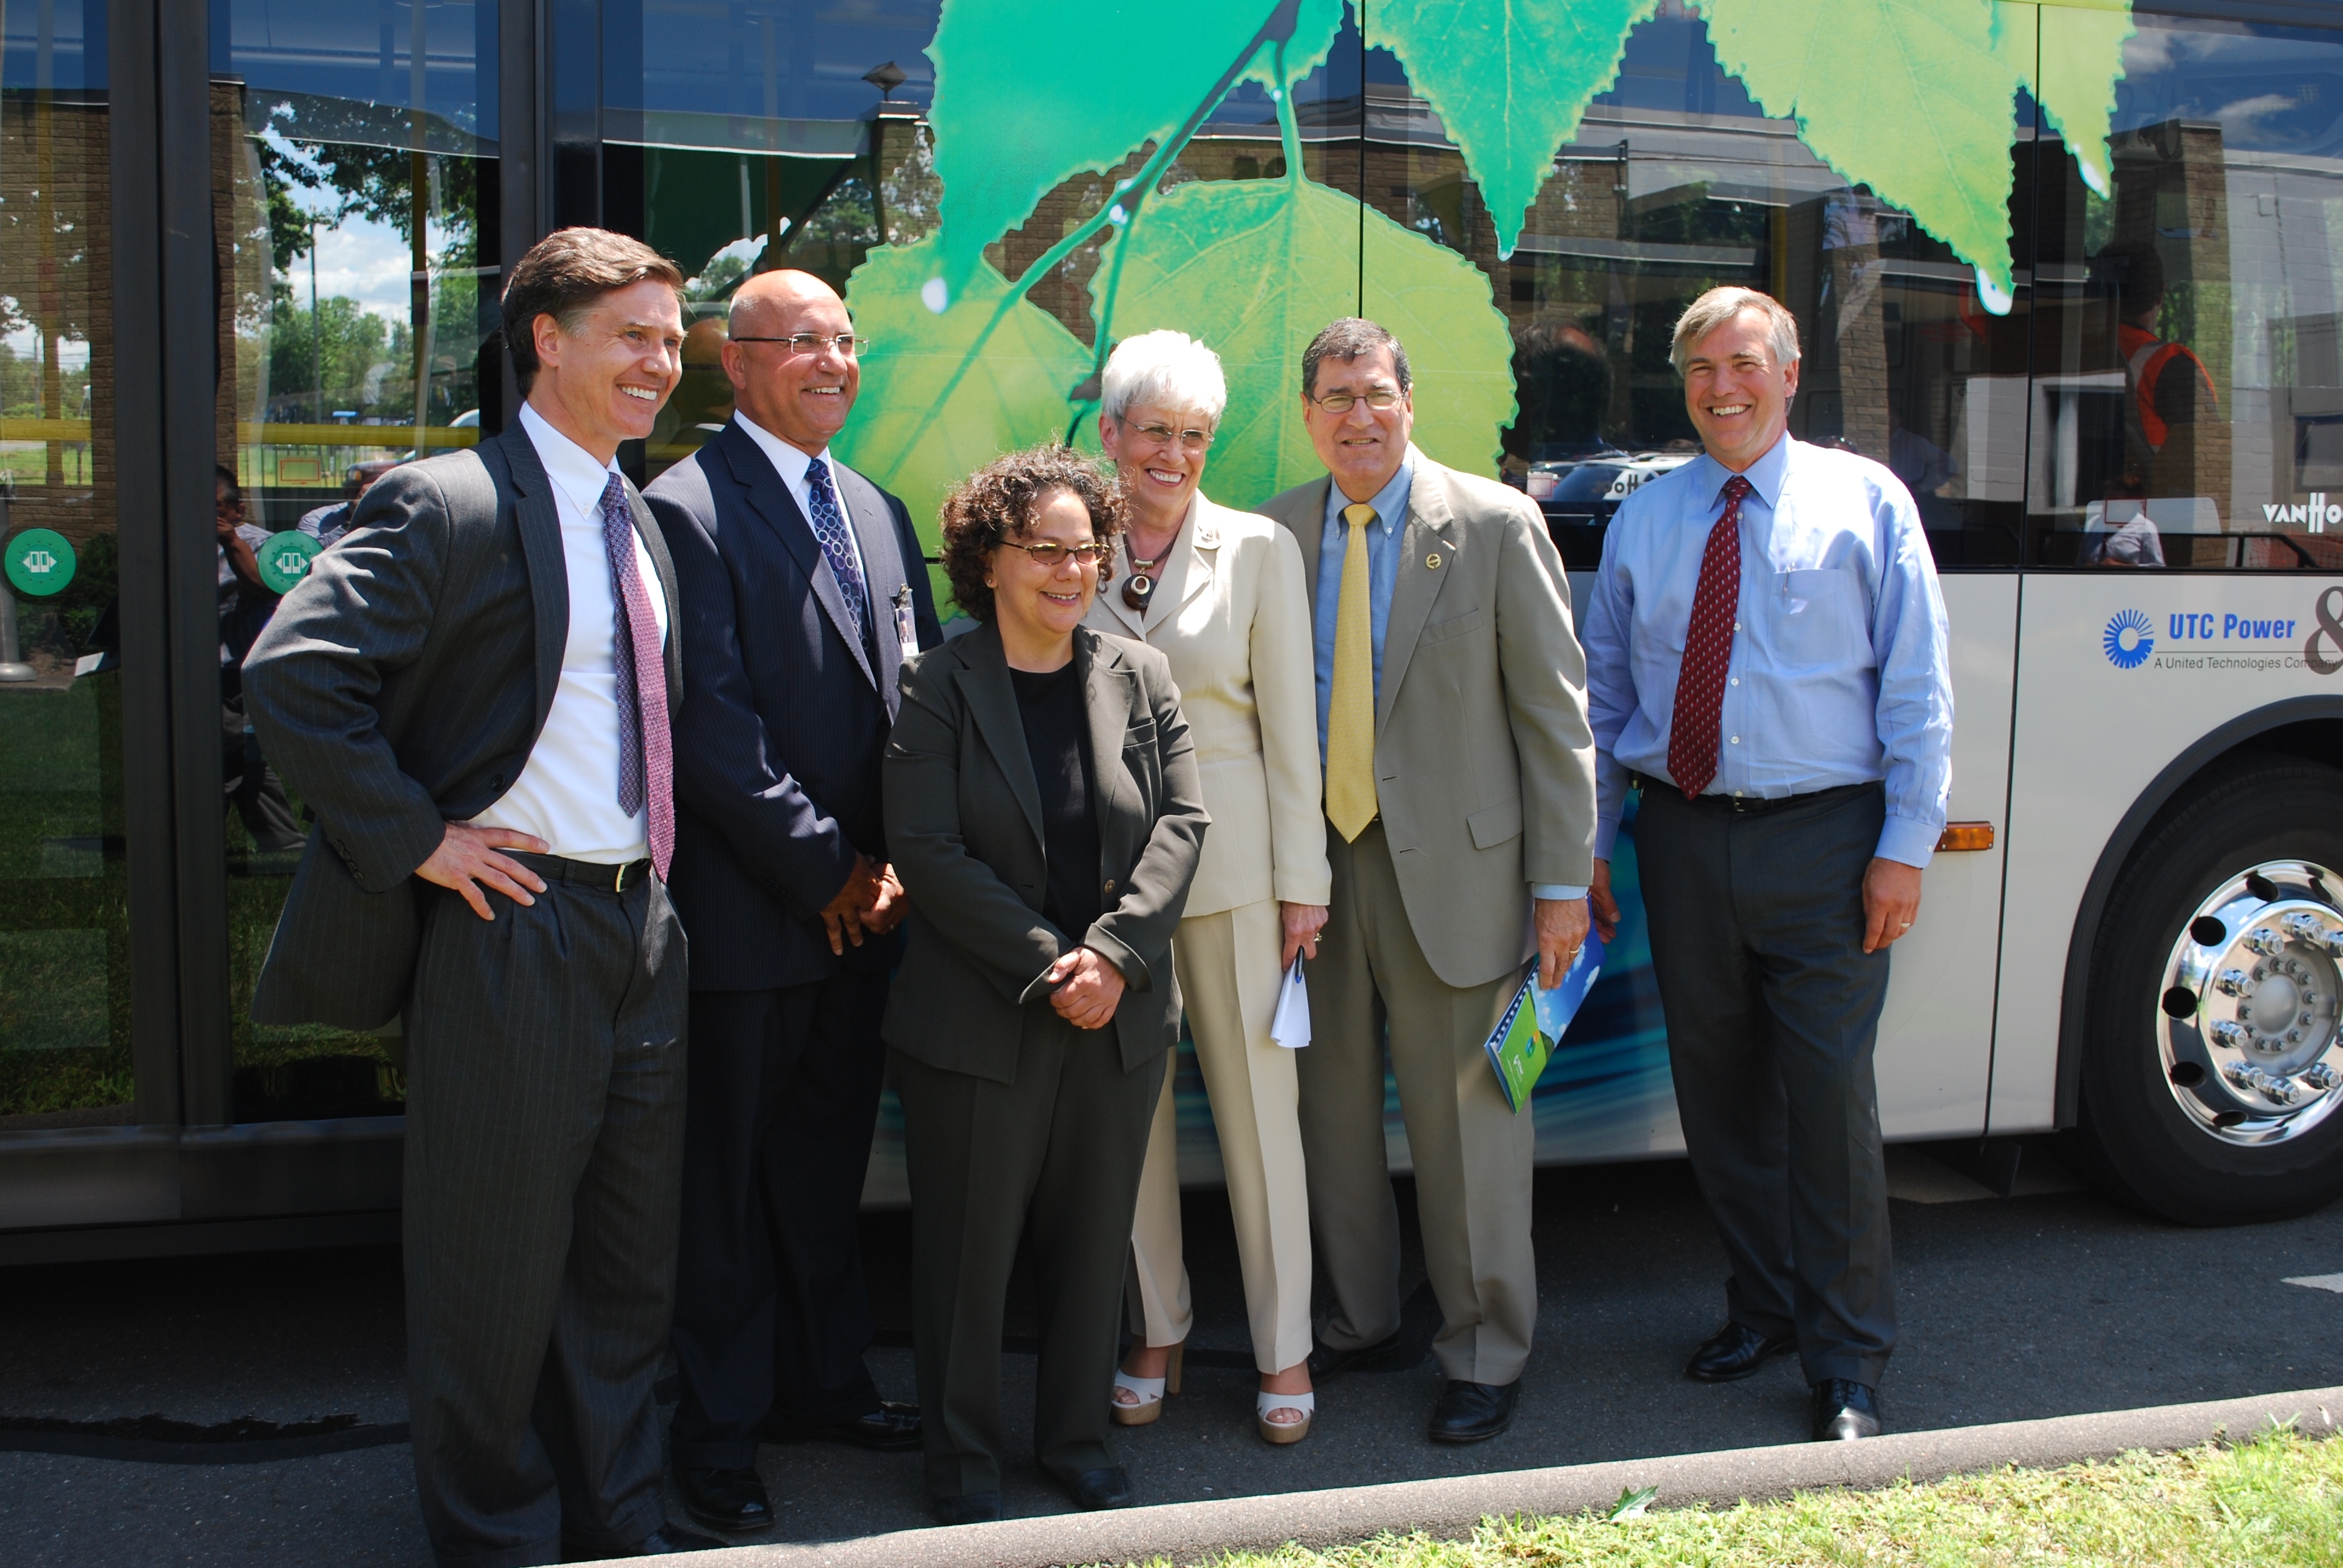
<point>1191,442</point>
<point>1379,399</point>
<point>1050,554</point>
<point>846,343</point>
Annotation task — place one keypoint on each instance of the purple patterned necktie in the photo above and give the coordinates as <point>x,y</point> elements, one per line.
<point>829,527</point>
<point>646,751</point>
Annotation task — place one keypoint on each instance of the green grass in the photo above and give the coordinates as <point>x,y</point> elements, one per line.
<point>2276,1500</point>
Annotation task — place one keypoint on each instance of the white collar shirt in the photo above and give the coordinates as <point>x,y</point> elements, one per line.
<point>568,793</point>
<point>793,465</point>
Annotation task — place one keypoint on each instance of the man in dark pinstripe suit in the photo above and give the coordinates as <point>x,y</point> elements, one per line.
<point>473,691</point>
<point>803,589</point>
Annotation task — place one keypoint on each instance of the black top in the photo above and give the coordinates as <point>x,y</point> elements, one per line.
<point>1057,738</point>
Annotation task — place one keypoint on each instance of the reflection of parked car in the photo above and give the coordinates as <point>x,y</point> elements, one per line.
<point>1580,493</point>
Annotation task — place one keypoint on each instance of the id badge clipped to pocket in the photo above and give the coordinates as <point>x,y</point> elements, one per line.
<point>907,630</point>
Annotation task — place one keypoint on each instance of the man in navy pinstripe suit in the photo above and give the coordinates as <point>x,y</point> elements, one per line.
<point>802,590</point>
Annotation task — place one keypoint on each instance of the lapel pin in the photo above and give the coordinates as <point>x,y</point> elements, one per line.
<point>1433,560</point>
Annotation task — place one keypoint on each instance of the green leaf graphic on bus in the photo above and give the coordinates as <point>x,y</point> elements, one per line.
<point>944,395</point>
<point>1255,268</point>
<point>1912,97</point>
<point>1509,81</point>
<point>1029,93</point>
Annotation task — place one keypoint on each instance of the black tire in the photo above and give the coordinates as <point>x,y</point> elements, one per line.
<point>2133,1139</point>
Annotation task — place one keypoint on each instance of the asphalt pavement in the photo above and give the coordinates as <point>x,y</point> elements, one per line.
<point>2050,1302</point>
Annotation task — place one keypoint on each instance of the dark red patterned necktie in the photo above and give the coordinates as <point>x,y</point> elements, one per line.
<point>1708,650</point>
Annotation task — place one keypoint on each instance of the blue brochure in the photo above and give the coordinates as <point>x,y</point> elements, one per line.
<point>1524,1041</point>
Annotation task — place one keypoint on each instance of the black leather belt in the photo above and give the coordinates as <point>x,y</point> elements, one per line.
<point>600,877</point>
<point>1752,805</point>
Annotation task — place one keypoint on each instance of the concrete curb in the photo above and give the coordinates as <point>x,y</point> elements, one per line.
<point>1190,1532</point>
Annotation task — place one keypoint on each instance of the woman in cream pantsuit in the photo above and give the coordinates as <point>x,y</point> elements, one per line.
<point>1220,594</point>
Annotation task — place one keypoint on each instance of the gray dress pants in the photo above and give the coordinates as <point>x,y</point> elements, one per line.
<point>1772,1013</point>
<point>1053,1157</point>
<point>545,1098</point>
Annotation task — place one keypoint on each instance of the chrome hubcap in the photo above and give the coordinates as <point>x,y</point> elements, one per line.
<point>2250,1003</point>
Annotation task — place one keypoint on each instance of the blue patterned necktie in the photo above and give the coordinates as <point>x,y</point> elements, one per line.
<point>829,527</point>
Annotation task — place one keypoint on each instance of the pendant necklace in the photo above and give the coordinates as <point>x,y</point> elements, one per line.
<point>1138,587</point>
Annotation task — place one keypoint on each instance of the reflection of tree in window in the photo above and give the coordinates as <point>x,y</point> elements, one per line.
<point>368,362</point>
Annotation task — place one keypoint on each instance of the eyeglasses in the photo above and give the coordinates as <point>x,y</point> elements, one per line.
<point>1382,398</point>
<point>1191,441</point>
<point>846,343</point>
<point>1050,553</point>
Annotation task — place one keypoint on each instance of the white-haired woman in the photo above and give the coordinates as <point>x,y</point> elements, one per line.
<point>1220,594</point>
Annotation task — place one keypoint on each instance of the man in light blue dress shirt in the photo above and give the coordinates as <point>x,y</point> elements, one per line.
<point>1766,654</point>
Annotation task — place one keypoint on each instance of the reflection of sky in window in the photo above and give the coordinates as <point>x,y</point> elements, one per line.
<point>2276,90</point>
<point>77,55</point>
<point>357,258</point>
<point>73,353</point>
<point>782,59</point>
<point>362,50</point>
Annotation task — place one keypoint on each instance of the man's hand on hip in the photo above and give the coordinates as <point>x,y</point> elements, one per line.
<point>1561,933</point>
<point>467,856</point>
<point>1891,902</point>
<point>843,916</point>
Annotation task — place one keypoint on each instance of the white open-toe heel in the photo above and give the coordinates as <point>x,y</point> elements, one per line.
<point>1147,1393</point>
<point>1286,1431</point>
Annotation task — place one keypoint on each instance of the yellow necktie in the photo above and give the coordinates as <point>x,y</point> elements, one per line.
<point>1351,710</point>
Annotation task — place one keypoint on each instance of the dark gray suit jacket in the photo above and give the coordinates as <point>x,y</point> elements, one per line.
<point>964,824</point>
<point>401,687</point>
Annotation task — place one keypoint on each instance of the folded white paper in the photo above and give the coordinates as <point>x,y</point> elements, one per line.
<point>1291,1026</point>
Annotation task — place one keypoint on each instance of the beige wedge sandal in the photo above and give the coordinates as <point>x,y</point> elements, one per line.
<point>1284,1431</point>
<point>1147,1393</point>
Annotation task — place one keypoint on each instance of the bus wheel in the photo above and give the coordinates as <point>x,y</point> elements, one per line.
<point>2212,1065</point>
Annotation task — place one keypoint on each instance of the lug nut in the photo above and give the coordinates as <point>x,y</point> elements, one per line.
<point>2285,1090</point>
<point>2235,1036</point>
<point>2320,1076</point>
<point>2241,1074</point>
<point>2304,926</point>
<point>2264,940</point>
<point>2234,982</point>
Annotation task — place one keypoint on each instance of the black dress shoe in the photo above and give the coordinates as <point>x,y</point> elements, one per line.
<point>667,1538</point>
<point>1108,1488</point>
<point>972,1508</point>
<point>1845,1411</point>
<point>1734,1352</point>
<point>724,1499</point>
<point>1389,1355</point>
<point>891,1429</point>
<point>1474,1412</point>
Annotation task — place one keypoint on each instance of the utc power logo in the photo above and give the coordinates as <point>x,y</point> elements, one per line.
<point>2229,641</point>
<point>2129,639</point>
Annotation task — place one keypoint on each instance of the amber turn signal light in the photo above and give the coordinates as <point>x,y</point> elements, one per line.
<point>1966,836</point>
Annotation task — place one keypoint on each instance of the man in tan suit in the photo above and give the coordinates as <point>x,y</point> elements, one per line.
<point>1460,804</point>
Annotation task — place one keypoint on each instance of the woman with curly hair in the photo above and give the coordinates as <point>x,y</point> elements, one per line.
<point>1045,816</point>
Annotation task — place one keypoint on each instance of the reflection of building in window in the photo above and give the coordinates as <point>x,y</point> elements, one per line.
<point>2166,264</point>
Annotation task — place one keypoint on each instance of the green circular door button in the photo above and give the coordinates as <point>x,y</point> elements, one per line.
<point>40,562</point>
<point>285,559</point>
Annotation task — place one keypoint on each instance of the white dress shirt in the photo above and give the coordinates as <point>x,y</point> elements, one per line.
<point>568,794</point>
<point>791,465</point>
